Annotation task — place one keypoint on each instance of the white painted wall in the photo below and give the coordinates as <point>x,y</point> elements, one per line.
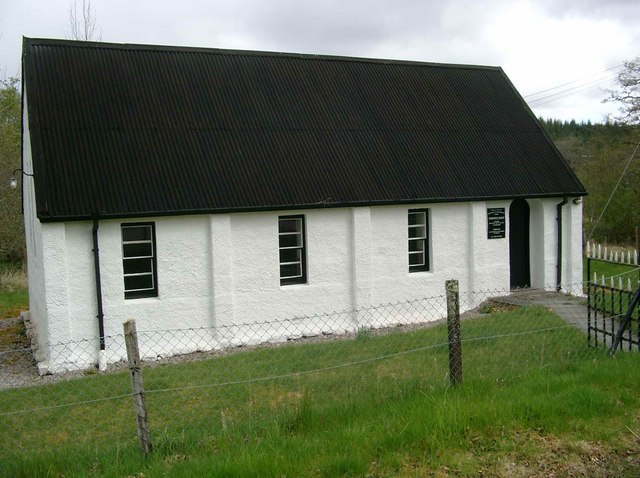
<point>543,226</point>
<point>223,271</point>
<point>33,237</point>
<point>572,249</point>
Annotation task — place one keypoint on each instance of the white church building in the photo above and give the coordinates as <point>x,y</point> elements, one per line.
<point>193,188</point>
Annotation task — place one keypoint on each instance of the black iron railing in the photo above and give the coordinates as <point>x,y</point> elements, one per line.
<point>608,308</point>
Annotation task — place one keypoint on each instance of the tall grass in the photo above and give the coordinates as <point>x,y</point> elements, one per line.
<point>13,279</point>
<point>341,409</point>
<point>14,296</point>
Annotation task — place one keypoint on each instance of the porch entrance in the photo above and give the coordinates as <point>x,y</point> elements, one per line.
<point>519,244</point>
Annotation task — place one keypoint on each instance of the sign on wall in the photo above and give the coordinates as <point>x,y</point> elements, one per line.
<point>495,223</point>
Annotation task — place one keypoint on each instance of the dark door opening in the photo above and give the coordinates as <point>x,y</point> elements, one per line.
<point>519,244</point>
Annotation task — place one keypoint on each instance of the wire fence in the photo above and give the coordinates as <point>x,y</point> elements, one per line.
<point>200,382</point>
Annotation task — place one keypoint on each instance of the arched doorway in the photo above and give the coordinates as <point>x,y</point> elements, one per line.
<point>519,244</point>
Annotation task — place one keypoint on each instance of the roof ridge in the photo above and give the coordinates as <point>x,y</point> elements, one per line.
<point>263,53</point>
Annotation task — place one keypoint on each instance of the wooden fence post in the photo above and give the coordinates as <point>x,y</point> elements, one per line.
<point>453,329</point>
<point>137,388</point>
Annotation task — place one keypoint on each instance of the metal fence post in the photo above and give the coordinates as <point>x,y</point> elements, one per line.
<point>453,329</point>
<point>626,321</point>
<point>137,387</point>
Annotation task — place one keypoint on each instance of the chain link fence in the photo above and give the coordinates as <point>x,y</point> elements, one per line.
<point>199,382</point>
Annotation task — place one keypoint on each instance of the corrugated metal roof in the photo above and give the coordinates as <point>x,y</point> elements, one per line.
<point>130,130</point>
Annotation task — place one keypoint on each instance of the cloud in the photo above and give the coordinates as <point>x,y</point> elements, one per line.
<point>539,43</point>
<point>334,27</point>
<point>594,9</point>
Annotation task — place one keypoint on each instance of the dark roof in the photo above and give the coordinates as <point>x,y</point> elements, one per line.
<point>124,130</point>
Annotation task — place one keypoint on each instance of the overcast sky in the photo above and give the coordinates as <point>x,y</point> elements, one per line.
<point>572,48</point>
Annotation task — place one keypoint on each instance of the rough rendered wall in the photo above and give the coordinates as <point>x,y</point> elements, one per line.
<point>33,236</point>
<point>222,270</point>
<point>572,257</point>
<point>544,244</point>
<point>459,250</point>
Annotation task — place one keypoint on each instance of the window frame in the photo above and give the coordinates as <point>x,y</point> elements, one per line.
<point>146,292</point>
<point>302,247</point>
<point>424,241</point>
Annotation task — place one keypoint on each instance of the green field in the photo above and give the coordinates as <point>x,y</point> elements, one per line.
<point>12,303</point>
<point>535,401</point>
<point>609,269</point>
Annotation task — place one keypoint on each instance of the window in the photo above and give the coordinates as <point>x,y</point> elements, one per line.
<point>292,250</point>
<point>139,260</point>
<point>418,240</point>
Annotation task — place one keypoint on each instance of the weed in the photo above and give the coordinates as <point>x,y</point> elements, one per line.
<point>491,306</point>
<point>13,280</point>
<point>363,333</point>
<point>14,297</point>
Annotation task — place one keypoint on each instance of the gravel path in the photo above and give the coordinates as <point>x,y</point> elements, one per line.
<point>17,367</point>
<point>570,308</point>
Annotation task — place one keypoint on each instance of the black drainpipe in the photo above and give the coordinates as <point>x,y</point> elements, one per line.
<point>96,261</point>
<point>559,264</point>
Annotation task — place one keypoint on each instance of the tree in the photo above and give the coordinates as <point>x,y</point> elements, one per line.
<point>12,247</point>
<point>627,94</point>
<point>82,25</point>
<point>599,153</point>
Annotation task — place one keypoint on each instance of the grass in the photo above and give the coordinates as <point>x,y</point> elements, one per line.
<point>14,296</point>
<point>609,269</point>
<point>12,303</point>
<point>531,404</point>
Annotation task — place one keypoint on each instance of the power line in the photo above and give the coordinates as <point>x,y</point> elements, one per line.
<point>573,81</point>
<point>614,190</point>
<point>567,92</point>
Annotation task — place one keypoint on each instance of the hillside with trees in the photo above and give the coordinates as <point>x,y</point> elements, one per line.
<point>599,153</point>
<point>12,248</point>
